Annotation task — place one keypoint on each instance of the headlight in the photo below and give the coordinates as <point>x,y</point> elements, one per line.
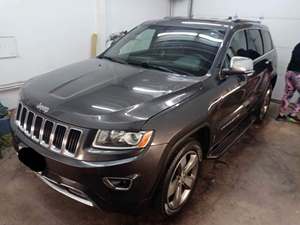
<point>121,139</point>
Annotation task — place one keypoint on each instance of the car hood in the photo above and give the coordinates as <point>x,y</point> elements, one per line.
<point>98,93</point>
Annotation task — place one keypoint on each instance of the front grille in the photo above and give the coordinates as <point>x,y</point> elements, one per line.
<point>73,140</point>
<point>55,136</point>
<point>37,127</point>
<point>23,117</point>
<point>48,127</point>
<point>29,122</point>
<point>19,112</point>
<point>59,135</point>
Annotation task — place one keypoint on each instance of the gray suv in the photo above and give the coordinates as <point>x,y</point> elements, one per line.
<point>133,125</point>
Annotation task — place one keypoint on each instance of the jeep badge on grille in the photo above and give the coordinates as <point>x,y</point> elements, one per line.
<point>42,108</point>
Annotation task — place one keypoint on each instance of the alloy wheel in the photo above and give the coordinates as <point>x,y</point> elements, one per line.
<point>265,106</point>
<point>182,180</point>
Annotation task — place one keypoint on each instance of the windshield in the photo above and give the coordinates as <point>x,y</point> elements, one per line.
<point>172,49</point>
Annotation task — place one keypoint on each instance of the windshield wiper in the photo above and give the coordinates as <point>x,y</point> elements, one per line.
<point>152,66</point>
<point>113,59</point>
<point>146,65</point>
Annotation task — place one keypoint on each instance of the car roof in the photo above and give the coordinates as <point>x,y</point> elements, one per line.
<point>195,23</point>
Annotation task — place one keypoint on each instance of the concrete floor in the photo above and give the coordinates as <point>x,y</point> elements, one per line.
<point>256,182</point>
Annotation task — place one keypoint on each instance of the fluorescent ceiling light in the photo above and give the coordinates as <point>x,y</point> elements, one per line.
<point>210,38</point>
<point>177,33</point>
<point>204,23</point>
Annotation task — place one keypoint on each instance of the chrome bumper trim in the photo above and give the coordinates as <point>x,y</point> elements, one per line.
<point>54,185</point>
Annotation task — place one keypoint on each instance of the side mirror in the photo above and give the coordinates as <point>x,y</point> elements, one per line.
<point>240,66</point>
<point>114,37</point>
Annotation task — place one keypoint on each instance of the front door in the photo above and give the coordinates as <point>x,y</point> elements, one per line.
<point>231,104</point>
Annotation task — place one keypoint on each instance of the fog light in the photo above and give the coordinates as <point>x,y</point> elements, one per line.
<point>120,183</point>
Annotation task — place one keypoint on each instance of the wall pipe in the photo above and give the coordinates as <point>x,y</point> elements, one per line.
<point>171,7</point>
<point>11,86</point>
<point>190,9</point>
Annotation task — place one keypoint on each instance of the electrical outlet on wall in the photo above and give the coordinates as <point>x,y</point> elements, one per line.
<point>8,47</point>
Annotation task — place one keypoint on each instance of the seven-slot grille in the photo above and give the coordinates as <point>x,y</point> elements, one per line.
<point>55,136</point>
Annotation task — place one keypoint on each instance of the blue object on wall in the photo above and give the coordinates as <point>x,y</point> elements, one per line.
<point>4,126</point>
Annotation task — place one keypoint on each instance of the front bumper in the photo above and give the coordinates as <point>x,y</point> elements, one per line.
<point>83,180</point>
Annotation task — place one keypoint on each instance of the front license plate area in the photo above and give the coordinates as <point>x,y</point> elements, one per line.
<point>32,159</point>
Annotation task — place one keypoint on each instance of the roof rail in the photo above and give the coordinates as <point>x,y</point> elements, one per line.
<point>234,19</point>
<point>174,17</point>
<point>239,20</point>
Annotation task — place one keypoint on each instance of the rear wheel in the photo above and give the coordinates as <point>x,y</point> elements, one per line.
<point>264,108</point>
<point>180,179</point>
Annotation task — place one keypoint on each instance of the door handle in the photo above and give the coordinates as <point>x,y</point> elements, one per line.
<point>250,73</point>
<point>246,104</point>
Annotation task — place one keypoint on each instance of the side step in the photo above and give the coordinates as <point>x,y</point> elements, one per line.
<point>233,137</point>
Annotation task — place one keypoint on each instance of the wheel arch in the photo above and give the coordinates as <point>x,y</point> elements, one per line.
<point>274,80</point>
<point>200,133</point>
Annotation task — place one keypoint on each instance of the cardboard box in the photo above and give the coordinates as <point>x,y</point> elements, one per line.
<point>4,126</point>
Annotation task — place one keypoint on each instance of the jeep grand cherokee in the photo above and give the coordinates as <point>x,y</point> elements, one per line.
<point>135,123</point>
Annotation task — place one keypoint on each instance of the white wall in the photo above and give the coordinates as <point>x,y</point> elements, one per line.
<point>122,15</point>
<point>180,7</point>
<point>51,34</point>
<point>282,17</point>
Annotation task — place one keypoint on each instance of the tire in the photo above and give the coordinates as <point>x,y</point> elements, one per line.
<point>179,182</point>
<point>264,107</point>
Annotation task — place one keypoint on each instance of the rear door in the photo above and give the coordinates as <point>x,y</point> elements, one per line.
<point>256,82</point>
<point>269,59</point>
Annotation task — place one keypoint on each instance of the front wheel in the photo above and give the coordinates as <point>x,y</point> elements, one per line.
<point>180,179</point>
<point>264,108</point>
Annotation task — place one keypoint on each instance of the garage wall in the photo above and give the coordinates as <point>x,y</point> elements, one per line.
<point>282,17</point>
<point>122,15</point>
<point>51,34</point>
<point>180,7</point>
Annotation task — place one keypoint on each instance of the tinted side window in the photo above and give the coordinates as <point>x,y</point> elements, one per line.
<point>237,47</point>
<point>255,45</point>
<point>267,40</point>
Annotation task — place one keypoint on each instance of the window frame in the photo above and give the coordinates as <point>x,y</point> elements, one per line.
<point>230,44</point>
<point>270,39</point>
<point>232,37</point>
<point>260,35</point>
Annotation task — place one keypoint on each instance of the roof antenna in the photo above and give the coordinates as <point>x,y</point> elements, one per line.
<point>235,17</point>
